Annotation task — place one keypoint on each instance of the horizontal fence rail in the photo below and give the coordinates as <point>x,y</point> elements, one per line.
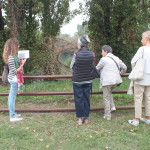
<point>46,110</point>
<point>59,93</point>
<point>56,76</point>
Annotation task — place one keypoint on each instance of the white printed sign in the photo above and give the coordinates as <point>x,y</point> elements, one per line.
<point>23,54</point>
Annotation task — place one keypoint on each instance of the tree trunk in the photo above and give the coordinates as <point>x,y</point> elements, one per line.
<point>16,13</point>
<point>1,20</point>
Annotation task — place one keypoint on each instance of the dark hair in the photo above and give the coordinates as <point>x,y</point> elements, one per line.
<point>107,48</point>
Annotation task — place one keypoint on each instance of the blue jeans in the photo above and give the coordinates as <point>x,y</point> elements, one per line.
<point>12,98</point>
<point>82,99</point>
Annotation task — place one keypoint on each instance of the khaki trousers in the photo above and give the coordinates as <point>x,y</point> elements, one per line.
<point>141,92</point>
<point>108,100</point>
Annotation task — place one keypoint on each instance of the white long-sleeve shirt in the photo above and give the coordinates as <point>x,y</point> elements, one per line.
<point>145,51</point>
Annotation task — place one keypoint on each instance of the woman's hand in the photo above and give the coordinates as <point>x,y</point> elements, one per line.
<point>23,61</point>
<point>21,65</point>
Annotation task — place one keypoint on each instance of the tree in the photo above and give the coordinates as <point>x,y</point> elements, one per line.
<point>36,23</point>
<point>65,35</point>
<point>119,24</point>
<point>1,19</point>
<point>53,15</point>
<point>81,29</point>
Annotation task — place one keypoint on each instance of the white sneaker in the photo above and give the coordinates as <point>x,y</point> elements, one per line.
<point>17,115</point>
<point>113,109</point>
<point>134,122</point>
<point>15,119</point>
<point>107,118</point>
<point>145,120</point>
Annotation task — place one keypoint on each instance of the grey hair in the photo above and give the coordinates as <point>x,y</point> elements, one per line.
<point>146,34</point>
<point>83,40</point>
<point>107,48</point>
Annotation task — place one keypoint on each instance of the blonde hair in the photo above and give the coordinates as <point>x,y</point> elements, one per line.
<point>146,34</point>
<point>11,47</point>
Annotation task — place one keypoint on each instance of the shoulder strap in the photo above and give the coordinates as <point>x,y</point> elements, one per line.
<point>115,62</point>
<point>143,53</point>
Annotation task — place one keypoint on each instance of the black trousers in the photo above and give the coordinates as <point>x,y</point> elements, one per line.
<point>82,99</point>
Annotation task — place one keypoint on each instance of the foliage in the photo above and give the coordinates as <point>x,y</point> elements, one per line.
<point>81,30</point>
<point>4,35</point>
<point>31,21</point>
<point>53,15</point>
<point>48,59</point>
<point>65,36</point>
<point>21,20</point>
<point>118,24</point>
<point>68,61</point>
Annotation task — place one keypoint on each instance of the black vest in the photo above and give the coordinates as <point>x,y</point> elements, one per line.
<point>83,65</point>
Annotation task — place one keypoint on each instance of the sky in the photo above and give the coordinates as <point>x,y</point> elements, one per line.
<point>71,27</point>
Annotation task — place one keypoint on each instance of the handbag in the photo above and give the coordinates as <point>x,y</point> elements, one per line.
<point>5,74</point>
<point>95,73</point>
<point>137,72</point>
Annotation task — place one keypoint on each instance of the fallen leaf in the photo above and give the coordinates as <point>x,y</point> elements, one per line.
<point>107,147</point>
<point>47,146</point>
<point>50,132</point>
<point>41,140</point>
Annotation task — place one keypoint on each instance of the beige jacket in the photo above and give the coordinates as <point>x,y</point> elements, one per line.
<point>110,74</point>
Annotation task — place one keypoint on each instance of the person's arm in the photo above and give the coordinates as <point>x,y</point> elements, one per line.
<point>21,65</point>
<point>73,61</point>
<point>100,65</point>
<point>123,67</point>
<point>11,65</point>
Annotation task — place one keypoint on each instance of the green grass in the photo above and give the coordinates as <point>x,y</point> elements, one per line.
<point>64,100</point>
<point>58,131</point>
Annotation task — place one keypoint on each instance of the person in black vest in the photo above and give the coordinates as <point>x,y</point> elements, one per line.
<point>82,64</point>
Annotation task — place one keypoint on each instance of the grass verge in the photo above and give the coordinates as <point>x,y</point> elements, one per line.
<point>58,131</point>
